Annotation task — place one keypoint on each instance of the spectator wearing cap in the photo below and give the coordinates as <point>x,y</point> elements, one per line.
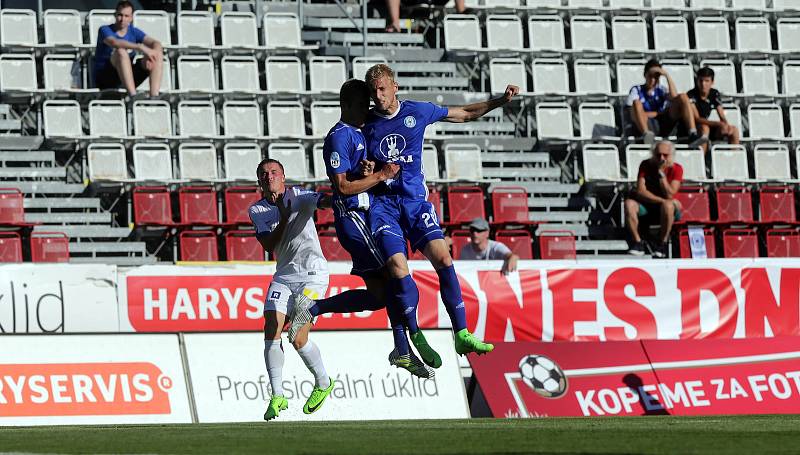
<point>481,248</point>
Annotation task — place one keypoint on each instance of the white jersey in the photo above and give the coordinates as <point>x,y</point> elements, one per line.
<point>298,253</point>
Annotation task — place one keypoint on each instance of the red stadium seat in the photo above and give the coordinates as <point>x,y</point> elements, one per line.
<point>152,206</point>
<point>198,205</point>
<point>510,205</point>
<point>734,205</point>
<point>12,211</point>
<point>238,200</point>
<point>557,245</point>
<point>777,204</point>
<point>464,204</point>
<point>694,200</point>
<point>243,246</point>
<point>686,249</point>
<point>740,243</point>
<point>518,241</point>
<point>331,248</point>
<point>10,247</point>
<point>324,216</point>
<point>49,247</point>
<point>460,238</point>
<point>435,198</point>
<point>783,243</point>
<point>198,246</point>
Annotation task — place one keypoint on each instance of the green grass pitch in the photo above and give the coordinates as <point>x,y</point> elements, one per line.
<point>656,435</point>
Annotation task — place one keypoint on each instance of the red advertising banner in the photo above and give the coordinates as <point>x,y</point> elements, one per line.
<point>544,301</point>
<point>681,377</point>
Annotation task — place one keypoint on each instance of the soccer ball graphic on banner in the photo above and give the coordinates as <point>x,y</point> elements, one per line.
<point>543,376</point>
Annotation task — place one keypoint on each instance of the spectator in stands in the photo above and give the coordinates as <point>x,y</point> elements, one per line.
<point>655,109</point>
<point>393,10</point>
<point>117,45</point>
<point>658,183</point>
<point>705,98</point>
<point>481,248</point>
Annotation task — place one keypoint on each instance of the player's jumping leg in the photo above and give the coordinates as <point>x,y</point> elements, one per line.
<point>437,253</point>
<point>273,358</point>
<point>311,356</point>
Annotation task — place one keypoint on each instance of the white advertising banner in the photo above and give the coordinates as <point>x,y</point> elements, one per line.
<point>58,298</point>
<point>230,383</point>
<point>92,379</point>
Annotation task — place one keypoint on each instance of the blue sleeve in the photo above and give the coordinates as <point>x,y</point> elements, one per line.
<point>433,112</point>
<point>138,35</point>
<point>336,153</point>
<point>103,33</point>
<point>262,222</point>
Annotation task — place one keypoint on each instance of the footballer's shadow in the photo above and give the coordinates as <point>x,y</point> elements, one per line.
<point>651,405</point>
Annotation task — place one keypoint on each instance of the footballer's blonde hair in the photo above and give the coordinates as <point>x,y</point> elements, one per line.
<point>379,71</point>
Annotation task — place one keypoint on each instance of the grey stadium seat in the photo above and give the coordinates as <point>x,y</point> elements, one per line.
<point>17,72</point>
<point>152,162</point>
<point>239,74</point>
<point>759,77</point>
<point>96,19</point>
<point>196,29</point>
<point>326,74</point>
<point>152,119</point>
<point>57,69</point>
<point>107,119</point>
<point>771,162</point>
<point>753,34</point>
<point>550,76</point>
<point>693,162</point>
<point>597,120</point>
<point>62,118</point>
<point>601,162</point>
<point>284,74</point>
<point>196,73</point>
<point>546,33</point>
<point>156,24</point>
<point>324,114</point>
<point>788,31</point>
<point>197,161</point>
<point>240,159</point>
<point>462,162</point>
<point>285,119</point>
<point>107,161</point>
<point>729,162</point>
<point>293,158</point>
<point>670,33</point>
<point>588,33</point>
<point>629,33</point>
<point>238,29</point>
<point>712,33</point>
<point>62,27</point>
<point>197,119</point>
<point>554,121</point>
<point>18,27</point>
<point>242,119</point>
<point>765,120</point>
<point>462,32</point>
<point>505,71</point>
<point>504,32</point>
<point>592,76</point>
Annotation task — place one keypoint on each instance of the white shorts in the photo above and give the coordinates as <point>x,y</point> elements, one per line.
<point>280,295</point>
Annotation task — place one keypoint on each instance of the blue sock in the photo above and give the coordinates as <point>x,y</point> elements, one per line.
<point>406,296</point>
<point>398,329</point>
<point>451,296</point>
<point>351,301</point>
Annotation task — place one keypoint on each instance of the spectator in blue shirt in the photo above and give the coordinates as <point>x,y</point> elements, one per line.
<point>117,45</point>
<point>655,110</point>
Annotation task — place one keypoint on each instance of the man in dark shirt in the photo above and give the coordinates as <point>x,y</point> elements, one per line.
<point>658,183</point>
<point>706,99</point>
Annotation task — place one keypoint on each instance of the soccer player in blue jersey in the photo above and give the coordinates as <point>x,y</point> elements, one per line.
<point>345,155</point>
<point>394,133</point>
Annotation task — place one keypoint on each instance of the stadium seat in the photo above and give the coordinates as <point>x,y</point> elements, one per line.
<point>597,120</point>
<point>238,200</point>
<point>765,120</point>
<point>96,19</point>
<point>154,23</point>
<point>324,216</point>
<point>740,243</point>
<point>462,32</point>
<point>510,205</point>
<point>794,121</point>
<point>557,245</point>
<point>10,247</point>
<point>49,247</point>
<point>57,72</point>
<point>554,121</point>
<point>238,29</point>
<point>360,65</point>
<point>682,73</point>
<point>546,33</point>
<point>550,76</point>
<point>592,76</point>
<point>777,204</point>
<point>685,249</point>
<point>196,29</point>
<point>734,205</point>
<point>197,119</point>
<point>286,119</point>
<point>693,162</point>
<point>166,77</point>
<point>197,161</point>
<point>459,237</point>
<point>239,74</point>
<point>18,27</point>
<point>585,3</point>
<point>749,4</point>
<point>196,73</point>
<point>18,73</point>
<point>435,198</point>
<point>783,243</point>
<point>241,160</point>
<point>198,246</point>
<point>462,162</point>
<point>729,162</point>
<point>326,74</point>
<point>198,205</point>
<point>620,4</point>
<point>708,4</point>
<point>630,72</point>
<point>634,155</point>
<point>242,119</point>
<point>62,118</point>
<point>152,162</point>
<point>324,115</point>
<point>62,27</point>
<point>544,3</point>
<point>724,75</point>
<point>791,76</point>
<point>152,206</point>
<point>107,119</point>
<point>12,212</point>
<point>753,34</point>
<point>712,34</point>
<point>331,248</point>
<point>504,33</point>
<point>771,162</point>
<point>629,33</point>
<point>293,158</point>
<point>518,241</point>
<point>785,5</point>
<point>733,114</point>
<point>588,33</point>
<point>601,163</point>
<point>107,161</point>
<point>320,171</point>
<point>694,200</point>
<point>465,203</point>
<point>152,118</point>
<point>281,30</point>
<point>505,71</point>
<point>759,77</point>
<point>670,33</point>
<point>243,246</point>
<point>788,32</point>
<point>430,162</point>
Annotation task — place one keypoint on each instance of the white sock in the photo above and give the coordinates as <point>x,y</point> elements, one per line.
<point>313,360</point>
<point>273,358</point>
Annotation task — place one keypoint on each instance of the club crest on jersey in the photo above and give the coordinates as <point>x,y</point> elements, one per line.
<point>392,146</point>
<point>335,160</point>
<point>410,121</point>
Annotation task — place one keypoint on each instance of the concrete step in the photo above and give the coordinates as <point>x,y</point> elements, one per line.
<point>46,187</point>
<point>559,216</point>
<point>601,245</point>
<point>424,67</point>
<point>72,218</point>
<point>521,172</point>
<point>579,230</point>
<point>34,155</point>
<point>515,157</point>
<point>543,202</point>
<point>33,172</point>
<point>87,232</point>
<point>434,82</point>
<point>61,203</point>
<point>542,187</point>
<point>107,247</point>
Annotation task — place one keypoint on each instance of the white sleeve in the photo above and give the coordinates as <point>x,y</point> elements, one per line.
<point>633,95</point>
<point>305,200</point>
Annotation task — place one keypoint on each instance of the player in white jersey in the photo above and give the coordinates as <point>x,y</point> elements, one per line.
<point>284,226</point>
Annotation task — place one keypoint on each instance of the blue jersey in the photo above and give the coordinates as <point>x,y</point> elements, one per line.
<point>398,139</point>
<point>102,53</point>
<point>344,148</point>
<point>655,101</point>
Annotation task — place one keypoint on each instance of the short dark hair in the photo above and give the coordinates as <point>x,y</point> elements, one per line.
<point>705,72</point>
<point>652,63</point>
<point>124,4</point>
<point>260,169</point>
<point>352,89</point>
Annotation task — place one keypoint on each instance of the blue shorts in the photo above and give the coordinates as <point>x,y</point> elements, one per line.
<point>394,219</point>
<point>354,235</point>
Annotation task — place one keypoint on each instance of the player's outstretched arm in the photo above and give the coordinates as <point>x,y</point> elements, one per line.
<point>470,112</point>
<point>349,187</point>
